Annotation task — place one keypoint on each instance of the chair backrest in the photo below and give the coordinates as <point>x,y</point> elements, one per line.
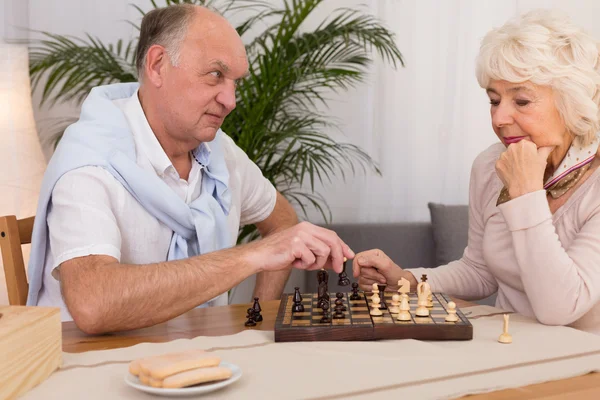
<point>13,234</point>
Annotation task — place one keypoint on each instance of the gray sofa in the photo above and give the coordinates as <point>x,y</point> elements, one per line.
<point>408,244</point>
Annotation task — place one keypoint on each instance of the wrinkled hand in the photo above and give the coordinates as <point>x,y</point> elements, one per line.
<point>374,266</point>
<point>304,246</point>
<point>521,167</point>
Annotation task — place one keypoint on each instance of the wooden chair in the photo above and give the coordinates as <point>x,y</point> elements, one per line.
<point>13,234</point>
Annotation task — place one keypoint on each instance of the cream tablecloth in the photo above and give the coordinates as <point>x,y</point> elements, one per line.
<point>340,370</point>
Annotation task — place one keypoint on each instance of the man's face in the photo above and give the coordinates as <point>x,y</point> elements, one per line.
<point>199,93</point>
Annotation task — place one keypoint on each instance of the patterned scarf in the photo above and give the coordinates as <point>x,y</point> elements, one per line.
<point>571,169</point>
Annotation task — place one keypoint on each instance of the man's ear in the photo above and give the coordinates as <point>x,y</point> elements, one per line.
<point>156,60</point>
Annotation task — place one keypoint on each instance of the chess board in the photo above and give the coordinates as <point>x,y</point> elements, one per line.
<point>359,324</point>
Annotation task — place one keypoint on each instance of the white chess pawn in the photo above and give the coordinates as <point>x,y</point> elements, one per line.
<point>429,299</point>
<point>451,317</point>
<point>375,306</point>
<point>405,296</point>
<point>395,303</point>
<point>505,337</point>
<point>375,291</point>
<point>404,314</point>
<point>422,292</point>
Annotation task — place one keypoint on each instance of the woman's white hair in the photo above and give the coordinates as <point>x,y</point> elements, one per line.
<point>547,49</point>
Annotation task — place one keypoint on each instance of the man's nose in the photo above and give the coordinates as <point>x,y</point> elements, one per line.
<point>226,96</point>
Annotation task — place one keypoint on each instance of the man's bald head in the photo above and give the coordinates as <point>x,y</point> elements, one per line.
<point>190,60</point>
<point>167,27</point>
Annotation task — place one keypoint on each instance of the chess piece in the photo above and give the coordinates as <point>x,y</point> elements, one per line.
<point>257,316</point>
<point>375,291</point>
<point>422,292</point>
<point>355,295</point>
<point>403,286</point>
<point>394,309</point>
<point>430,300</point>
<point>339,309</point>
<point>383,305</point>
<point>375,306</point>
<point>451,317</point>
<point>343,278</point>
<point>340,296</point>
<point>405,296</point>
<point>323,290</point>
<point>250,316</point>
<point>505,337</point>
<point>404,314</point>
<point>298,306</point>
<point>325,319</point>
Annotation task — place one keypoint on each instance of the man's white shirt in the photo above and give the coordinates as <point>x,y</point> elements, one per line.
<point>92,213</point>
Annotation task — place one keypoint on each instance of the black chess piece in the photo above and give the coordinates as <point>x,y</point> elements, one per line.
<point>339,313</point>
<point>383,304</point>
<point>256,307</point>
<point>325,319</point>
<point>250,316</point>
<point>343,278</point>
<point>298,306</point>
<point>340,301</point>
<point>355,295</point>
<point>323,290</point>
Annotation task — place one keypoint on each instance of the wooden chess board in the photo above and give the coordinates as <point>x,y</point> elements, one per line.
<point>358,324</point>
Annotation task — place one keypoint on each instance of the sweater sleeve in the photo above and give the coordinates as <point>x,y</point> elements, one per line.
<point>561,284</point>
<point>469,277</point>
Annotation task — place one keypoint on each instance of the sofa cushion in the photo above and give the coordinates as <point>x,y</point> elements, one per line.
<point>450,225</point>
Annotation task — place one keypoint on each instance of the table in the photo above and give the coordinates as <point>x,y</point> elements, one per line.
<point>229,320</point>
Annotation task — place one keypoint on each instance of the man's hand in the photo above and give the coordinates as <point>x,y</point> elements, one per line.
<point>521,167</point>
<point>374,266</point>
<point>304,246</point>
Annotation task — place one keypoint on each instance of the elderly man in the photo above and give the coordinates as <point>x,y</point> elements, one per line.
<point>142,201</point>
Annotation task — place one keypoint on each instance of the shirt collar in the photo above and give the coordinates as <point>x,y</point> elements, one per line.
<point>146,139</point>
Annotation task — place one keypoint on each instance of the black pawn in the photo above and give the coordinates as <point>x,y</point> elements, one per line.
<point>298,306</point>
<point>250,316</point>
<point>355,295</point>
<point>343,278</point>
<point>325,319</point>
<point>339,301</point>
<point>256,307</point>
<point>383,304</point>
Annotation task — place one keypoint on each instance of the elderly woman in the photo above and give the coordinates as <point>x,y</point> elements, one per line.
<point>534,202</point>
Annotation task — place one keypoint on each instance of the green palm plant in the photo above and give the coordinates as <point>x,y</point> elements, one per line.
<point>276,121</point>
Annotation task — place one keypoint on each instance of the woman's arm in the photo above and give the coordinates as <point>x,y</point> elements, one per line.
<point>561,284</point>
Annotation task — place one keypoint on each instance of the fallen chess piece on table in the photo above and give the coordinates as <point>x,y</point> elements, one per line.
<point>178,370</point>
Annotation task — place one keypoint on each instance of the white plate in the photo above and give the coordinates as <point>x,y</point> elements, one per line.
<point>134,382</point>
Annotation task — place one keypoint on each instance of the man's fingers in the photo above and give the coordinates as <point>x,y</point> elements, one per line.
<point>319,249</point>
<point>304,257</point>
<point>366,284</point>
<point>338,249</point>
<point>372,274</point>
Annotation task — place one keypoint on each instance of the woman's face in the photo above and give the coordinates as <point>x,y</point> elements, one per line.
<point>524,111</point>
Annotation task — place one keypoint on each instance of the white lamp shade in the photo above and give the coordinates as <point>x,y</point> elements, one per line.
<point>22,162</point>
